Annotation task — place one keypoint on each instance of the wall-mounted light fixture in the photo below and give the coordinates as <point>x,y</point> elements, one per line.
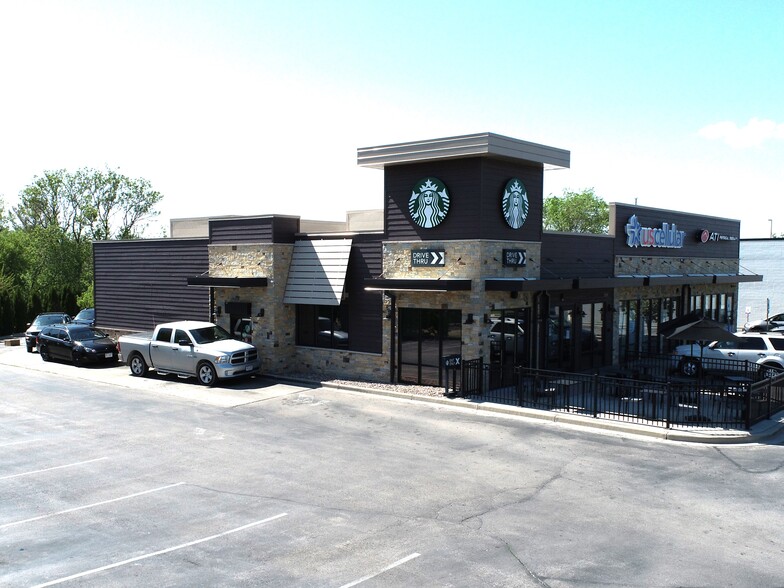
<point>218,311</point>
<point>469,318</point>
<point>260,313</point>
<point>487,318</point>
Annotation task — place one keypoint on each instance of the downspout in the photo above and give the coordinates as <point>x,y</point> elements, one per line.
<point>392,335</point>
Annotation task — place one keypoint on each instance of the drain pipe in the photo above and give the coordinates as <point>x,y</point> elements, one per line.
<point>392,335</point>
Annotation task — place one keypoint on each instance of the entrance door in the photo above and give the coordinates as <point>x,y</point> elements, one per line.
<point>424,337</point>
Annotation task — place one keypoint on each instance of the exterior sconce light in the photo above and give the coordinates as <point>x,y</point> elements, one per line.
<point>469,319</point>
<point>260,313</point>
<point>218,311</point>
<point>487,318</point>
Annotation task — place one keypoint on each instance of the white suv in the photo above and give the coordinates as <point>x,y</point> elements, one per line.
<point>764,349</point>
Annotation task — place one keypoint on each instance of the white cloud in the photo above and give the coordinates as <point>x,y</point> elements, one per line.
<point>753,134</point>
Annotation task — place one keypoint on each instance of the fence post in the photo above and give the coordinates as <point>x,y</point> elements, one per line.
<point>595,395</point>
<point>668,412</point>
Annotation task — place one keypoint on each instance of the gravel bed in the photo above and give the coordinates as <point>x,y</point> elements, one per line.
<point>400,388</point>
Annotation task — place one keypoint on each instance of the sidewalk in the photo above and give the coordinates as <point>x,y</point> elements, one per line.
<point>247,391</point>
<point>760,433</point>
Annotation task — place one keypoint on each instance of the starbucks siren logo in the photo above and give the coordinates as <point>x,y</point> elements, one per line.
<point>515,203</point>
<point>429,203</point>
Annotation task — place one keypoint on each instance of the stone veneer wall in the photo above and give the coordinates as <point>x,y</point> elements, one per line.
<point>273,333</point>
<point>464,260</point>
<point>625,265</point>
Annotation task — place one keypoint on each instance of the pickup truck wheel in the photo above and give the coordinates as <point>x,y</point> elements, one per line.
<point>138,365</point>
<point>690,366</point>
<point>206,374</point>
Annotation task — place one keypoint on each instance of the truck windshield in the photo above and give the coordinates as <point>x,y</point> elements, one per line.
<point>210,334</point>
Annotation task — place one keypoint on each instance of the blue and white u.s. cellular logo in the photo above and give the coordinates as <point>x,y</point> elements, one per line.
<point>429,203</point>
<point>515,203</point>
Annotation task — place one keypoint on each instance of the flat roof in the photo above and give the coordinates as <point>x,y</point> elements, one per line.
<point>479,144</point>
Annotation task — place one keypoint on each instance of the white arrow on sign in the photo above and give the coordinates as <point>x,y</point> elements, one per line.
<point>438,258</point>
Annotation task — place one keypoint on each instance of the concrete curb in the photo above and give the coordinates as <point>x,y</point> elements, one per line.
<point>760,433</point>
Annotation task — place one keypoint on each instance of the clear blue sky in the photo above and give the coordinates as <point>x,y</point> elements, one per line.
<point>259,107</point>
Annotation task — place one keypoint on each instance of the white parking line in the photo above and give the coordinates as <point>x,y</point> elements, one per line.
<point>20,442</point>
<point>161,552</point>
<point>62,512</point>
<point>399,562</point>
<point>70,465</point>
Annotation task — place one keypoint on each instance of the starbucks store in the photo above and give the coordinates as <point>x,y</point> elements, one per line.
<point>455,265</point>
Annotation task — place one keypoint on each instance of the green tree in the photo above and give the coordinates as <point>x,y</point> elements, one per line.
<point>87,204</point>
<point>45,241</point>
<point>576,212</point>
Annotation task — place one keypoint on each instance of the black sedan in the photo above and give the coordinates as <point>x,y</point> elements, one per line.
<point>78,344</point>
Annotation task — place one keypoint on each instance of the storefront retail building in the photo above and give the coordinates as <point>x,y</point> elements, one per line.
<point>455,265</point>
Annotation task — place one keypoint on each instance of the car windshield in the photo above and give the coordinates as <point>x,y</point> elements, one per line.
<point>210,334</point>
<point>48,320</point>
<point>87,334</point>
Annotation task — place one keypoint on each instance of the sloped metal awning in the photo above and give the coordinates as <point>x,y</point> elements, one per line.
<point>227,282</point>
<point>318,272</point>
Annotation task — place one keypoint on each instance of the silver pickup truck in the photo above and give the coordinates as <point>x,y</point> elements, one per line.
<point>189,348</point>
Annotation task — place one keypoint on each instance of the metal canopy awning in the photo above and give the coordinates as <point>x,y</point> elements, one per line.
<point>528,284</point>
<point>227,282</point>
<point>737,278</point>
<point>422,285</point>
<point>317,274</point>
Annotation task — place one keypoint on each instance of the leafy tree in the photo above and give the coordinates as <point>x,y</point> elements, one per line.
<point>87,204</point>
<point>45,249</point>
<point>576,212</point>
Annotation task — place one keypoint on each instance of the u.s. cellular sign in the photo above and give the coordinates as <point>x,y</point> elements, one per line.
<point>667,235</point>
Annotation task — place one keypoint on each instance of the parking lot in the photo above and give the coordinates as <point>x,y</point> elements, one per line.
<point>110,480</point>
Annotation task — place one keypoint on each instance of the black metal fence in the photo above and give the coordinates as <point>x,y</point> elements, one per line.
<point>649,394</point>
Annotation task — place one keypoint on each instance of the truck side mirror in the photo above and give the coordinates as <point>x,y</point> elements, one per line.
<point>184,343</point>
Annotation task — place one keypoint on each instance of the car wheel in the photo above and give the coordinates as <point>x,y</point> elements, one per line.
<point>138,365</point>
<point>206,374</point>
<point>43,351</point>
<point>690,366</point>
<point>76,358</point>
<point>768,370</point>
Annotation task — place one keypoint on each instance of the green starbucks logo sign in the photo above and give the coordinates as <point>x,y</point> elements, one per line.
<point>429,203</point>
<point>515,203</point>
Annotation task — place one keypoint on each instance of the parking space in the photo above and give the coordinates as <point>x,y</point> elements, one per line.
<point>83,504</point>
<point>165,483</point>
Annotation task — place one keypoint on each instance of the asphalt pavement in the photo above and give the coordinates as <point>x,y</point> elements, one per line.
<point>247,391</point>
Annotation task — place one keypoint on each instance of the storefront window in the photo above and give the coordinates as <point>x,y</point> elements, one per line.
<point>510,337</point>
<point>322,326</point>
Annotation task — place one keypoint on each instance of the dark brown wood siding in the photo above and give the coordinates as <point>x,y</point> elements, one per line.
<point>365,308</point>
<point>576,256</point>
<point>269,229</point>
<point>139,284</point>
<point>475,187</point>
<point>692,224</point>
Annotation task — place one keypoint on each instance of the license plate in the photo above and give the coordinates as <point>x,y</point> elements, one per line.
<point>108,354</point>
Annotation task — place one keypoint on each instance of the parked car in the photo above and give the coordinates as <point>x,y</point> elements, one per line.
<point>509,330</point>
<point>86,316</point>
<point>76,343</point>
<point>770,324</point>
<point>189,348</point>
<point>42,320</point>
<point>764,349</point>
